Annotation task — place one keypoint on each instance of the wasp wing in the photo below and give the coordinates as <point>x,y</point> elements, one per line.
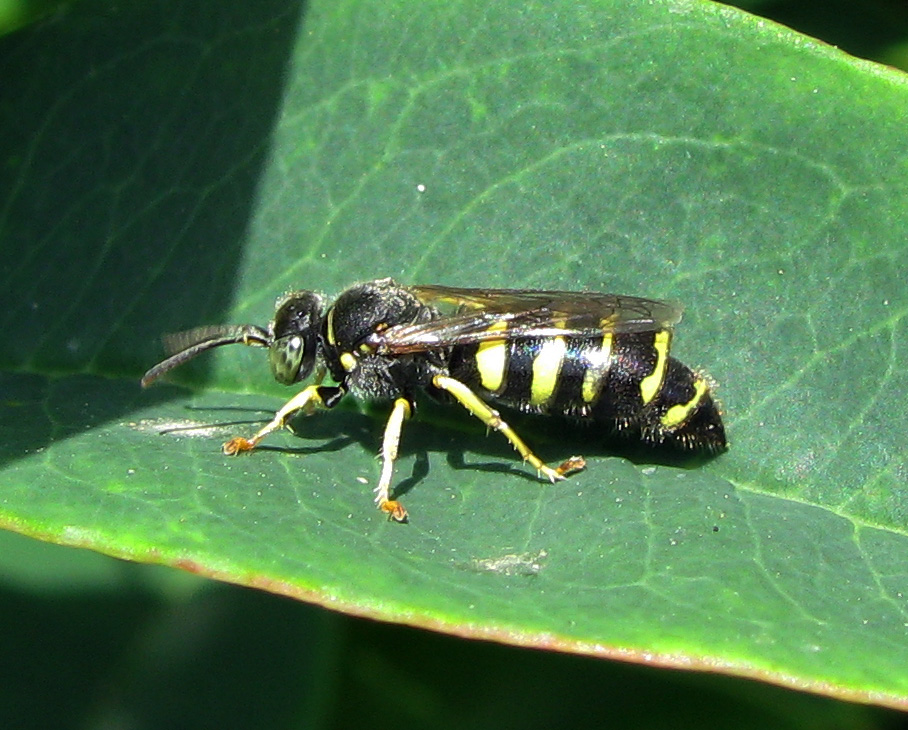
<point>478,315</point>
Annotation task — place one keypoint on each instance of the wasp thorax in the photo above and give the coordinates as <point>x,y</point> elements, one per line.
<point>295,336</point>
<point>362,311</point>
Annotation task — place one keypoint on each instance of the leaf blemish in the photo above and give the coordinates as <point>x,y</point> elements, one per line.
<point>180,428</point>
<point>511,564</point>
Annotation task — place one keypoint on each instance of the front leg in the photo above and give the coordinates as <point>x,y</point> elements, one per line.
<point>307,400</point>
<point>402,410</point>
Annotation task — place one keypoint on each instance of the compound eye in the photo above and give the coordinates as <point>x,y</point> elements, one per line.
<point>286,356</point>
<point>297,321</point>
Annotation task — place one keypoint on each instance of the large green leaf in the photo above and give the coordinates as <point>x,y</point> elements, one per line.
<point>166,167</point>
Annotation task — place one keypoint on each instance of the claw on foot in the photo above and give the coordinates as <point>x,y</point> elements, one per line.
<point>394,509</point>
<point>236,445</point>
<point>575,463</point>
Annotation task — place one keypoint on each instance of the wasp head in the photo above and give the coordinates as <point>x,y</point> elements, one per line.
<point>294,336</point>
<point>291,339</point>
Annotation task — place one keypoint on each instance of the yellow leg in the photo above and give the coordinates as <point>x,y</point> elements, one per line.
<point>475,405</point>
<point>307,400</point>
<point>401,411</point>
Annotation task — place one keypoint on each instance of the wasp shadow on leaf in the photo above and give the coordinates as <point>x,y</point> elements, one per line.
<point>449,430</point>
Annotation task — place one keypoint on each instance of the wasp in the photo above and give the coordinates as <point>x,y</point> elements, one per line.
<point>596,357</point>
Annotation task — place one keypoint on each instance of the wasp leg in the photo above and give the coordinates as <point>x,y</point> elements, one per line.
<point>475,405</point>
<point>401,411</point>
<point>307,400</point>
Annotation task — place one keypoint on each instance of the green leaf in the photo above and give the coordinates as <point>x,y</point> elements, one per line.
<point>165,168</point>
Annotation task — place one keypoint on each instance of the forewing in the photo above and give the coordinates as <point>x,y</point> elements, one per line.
<point>471,314</point>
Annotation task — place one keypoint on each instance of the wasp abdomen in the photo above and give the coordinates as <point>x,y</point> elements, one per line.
<point>626,381</point>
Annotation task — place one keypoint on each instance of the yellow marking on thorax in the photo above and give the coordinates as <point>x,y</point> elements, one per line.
<point>598,361</point>
<point>348,361</point>
<point>650,385</point>
<point>677,415</point>
<point>492,359</point>
<point>546,369</point>
<point>329,326</point>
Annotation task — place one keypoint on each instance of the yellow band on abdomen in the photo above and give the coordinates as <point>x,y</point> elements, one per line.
<point>650,385</point>
<point>492,360</point>
<point>546,370</point>
<point>598,361</point>
<point>676,415</point>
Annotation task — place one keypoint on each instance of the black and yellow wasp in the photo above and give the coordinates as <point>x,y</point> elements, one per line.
<point>585,355</point>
